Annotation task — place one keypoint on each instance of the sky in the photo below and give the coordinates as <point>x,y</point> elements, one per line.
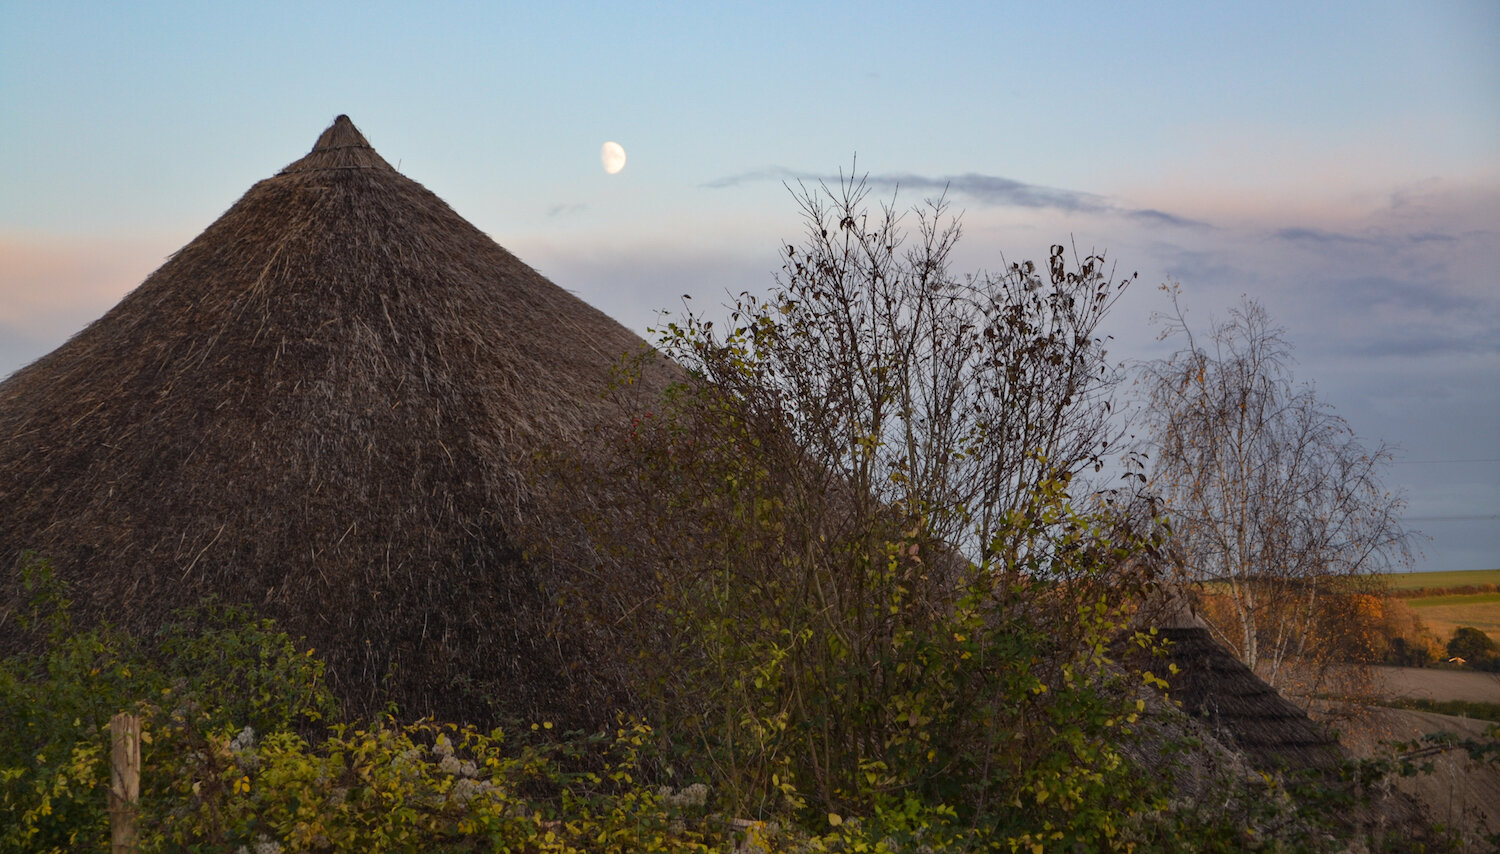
<point>1338,162</point>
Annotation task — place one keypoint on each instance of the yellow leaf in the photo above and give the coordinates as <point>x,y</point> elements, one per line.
<point>835,819</point>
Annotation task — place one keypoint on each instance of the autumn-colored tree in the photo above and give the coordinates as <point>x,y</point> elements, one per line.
<point>1409,643</point>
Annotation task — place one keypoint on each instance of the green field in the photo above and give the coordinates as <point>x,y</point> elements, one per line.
<point>1441,580</point>
<point>1454,599</point>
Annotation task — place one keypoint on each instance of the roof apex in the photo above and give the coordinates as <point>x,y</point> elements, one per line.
<point>341,134</point>
<point>341,146</point>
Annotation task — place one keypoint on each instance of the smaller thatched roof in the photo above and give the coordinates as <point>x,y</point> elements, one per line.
<point>1236,705</point>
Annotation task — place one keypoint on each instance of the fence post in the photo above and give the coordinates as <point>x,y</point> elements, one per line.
<point>124,782</point>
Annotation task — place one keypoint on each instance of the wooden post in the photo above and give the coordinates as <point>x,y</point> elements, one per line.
<point>124,782</point>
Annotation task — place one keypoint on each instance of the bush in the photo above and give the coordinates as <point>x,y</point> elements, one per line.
<point>242,751</point>
<point>1404,653</point>
<point>212,782</point>
<point>1472,645</point>
<point>1013,744</point>
<point>423,786</point>
<point>218,666</point>
<point>813,668</point>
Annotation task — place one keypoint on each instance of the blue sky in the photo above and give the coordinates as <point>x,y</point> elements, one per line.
<point>1340,162</point>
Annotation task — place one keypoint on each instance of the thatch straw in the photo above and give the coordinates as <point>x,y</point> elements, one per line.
<point>321,406</point>
<point>1236,705</point>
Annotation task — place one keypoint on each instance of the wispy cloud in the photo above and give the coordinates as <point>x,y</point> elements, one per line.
<point>991,190</point>
<point>1001,192</point>
<point>1163,218</point>
<point>1431,237</point>
<point>1383,237</point>
<point>1380,290</point>
<point>1424,341</point>
<point>1319,237</point>
<point>1209,266</point>
<point>757,175</point>
<point>566,210</point>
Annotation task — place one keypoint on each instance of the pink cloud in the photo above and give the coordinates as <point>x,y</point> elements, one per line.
<point>51,286</point>
<point>51,283</point>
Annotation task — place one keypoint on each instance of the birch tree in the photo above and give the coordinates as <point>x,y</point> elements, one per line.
<point>1272,498</point>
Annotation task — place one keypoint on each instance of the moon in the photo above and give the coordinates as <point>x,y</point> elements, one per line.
<point>613,157</point>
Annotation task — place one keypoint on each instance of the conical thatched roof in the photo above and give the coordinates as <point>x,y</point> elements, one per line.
<point>320,406</point>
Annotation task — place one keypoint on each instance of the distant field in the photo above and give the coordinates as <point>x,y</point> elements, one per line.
<point>1436,599</point>
<point>1420,580</point>
<point>1433,684</point>
<point>1445,611</point>
<point>1443,614</point>
<point>1453,599</point>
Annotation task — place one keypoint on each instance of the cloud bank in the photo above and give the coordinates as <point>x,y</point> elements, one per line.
<point>989,190</point>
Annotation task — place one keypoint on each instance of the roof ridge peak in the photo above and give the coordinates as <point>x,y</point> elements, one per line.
<point>340,146</point>
<point>341,134</point>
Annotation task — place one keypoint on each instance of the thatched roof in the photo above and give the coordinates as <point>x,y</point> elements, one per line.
<point>321,406</point>
<point>1236,705</point>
